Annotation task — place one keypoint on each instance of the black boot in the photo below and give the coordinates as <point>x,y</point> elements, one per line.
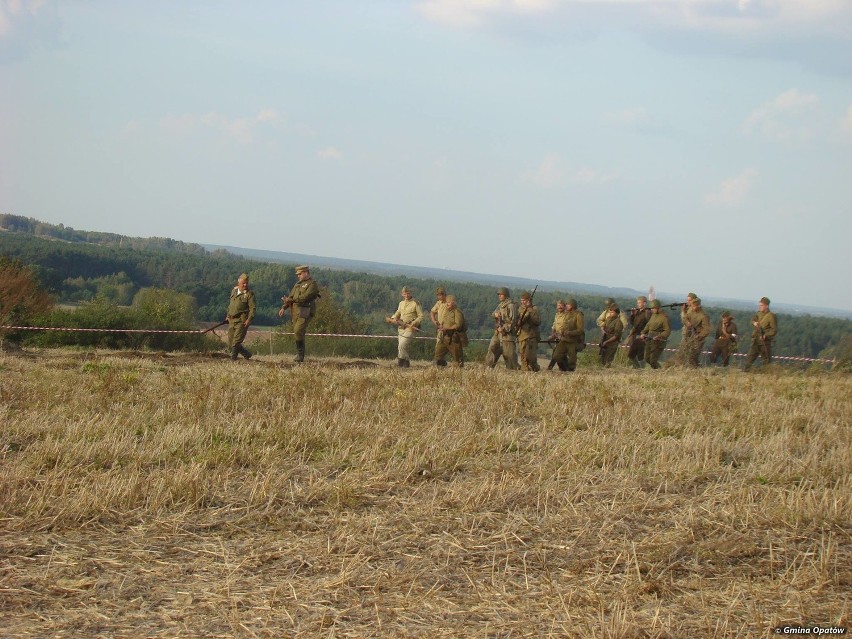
<point>300,352</point>
<point>400,362</point>
<point>234,354</point>
<point>551,364</point>
<point>406,363</point>
<point>245,352</point>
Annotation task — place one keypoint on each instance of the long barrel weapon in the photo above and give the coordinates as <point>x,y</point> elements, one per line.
<point>403,325</point>
<point>524,312</point>
<point>213,328</point>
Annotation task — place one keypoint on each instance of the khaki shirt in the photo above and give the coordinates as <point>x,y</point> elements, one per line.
<point>573,327</point>
<point>438,311</point>
<point>698,322</point>
<point>242,304</point>
<point>613,327</point>
<point>768,322</point>
<point>531,319</point>
<point>658,326</point>
<point>508,311</point>
<point>559,322</point>
<point>409,312</point>
<point>602,318</point>
<point>304,293</point>
<point>729,332</point>
<point>453,320</point>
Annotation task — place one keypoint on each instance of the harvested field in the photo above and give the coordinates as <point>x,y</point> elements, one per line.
<point>161,495</point>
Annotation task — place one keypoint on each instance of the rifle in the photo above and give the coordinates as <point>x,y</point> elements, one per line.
<point>395,322</point>
<point>521,317</point>
<point>213,328</point>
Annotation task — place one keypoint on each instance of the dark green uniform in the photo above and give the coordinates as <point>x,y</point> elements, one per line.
<point>529,319</point>
<point>504,342</point>
<point>655,335</point>
<point>572,338</point>
<point>613,329</point>
<point>241,310</point>
<point>762,337</point>
<point>303,306</point>
<point>636,348</point>
<point>453,337</point>
<point>725,344</point>
<point>697,328</point>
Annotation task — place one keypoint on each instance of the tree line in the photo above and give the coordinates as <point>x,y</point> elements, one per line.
<point>102,273</point>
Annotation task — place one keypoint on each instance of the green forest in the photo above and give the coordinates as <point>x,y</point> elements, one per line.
<point>104,272</point>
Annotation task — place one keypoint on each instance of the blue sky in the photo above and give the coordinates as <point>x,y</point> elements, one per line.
<point>693,145</point>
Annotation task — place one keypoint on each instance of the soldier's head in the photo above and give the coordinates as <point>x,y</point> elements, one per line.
<point>406,293</point>
<point>654,305</point>
<point>451,302</point>
<point>303,272</point>
<point>726,317</point>
<point>641,301</point>
<point>502,293</point>
<point>560,306</point>
<point>690,297</point>
<point>440,293</point>
<point>526,298</point>
<point>242,281</point>
<point>695,303</point>
<point>763,304</point>
<point>612,311</point>
<point>570,304</point>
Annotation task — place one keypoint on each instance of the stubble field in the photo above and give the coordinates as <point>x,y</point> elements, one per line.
<point>177,496</point>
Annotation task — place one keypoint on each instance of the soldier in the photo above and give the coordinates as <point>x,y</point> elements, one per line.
<point>303,306</point>
<point>602,317</point>
<point>655,334</point>
<point>697,327</point>
<point>437,316</point>
<point>765,329</point>
<point>726,340</point>
<point>528,322</point>
<point>453,334</point>
<point>639,316</point>
<point>407,319</point>
<point>572,337</point>
<point>504,341</point>
<point>555,332</point>
<point>241,311</point>
<point>612,329</point>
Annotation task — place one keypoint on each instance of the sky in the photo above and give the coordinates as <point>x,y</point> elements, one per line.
<point>692,145</point>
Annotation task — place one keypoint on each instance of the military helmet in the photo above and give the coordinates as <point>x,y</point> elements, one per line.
<point>654,304</point>
<point>613,307</point>
<point>692,296</point>
<point>764,300</point>
<point>571,302</point>
<point>641,298</point>
<point>526,295</point>
<point>503,291</point>
<point>608,302</point>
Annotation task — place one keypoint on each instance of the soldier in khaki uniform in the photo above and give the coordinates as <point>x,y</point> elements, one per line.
<point>697,328</point>
<point>612,330</point>
<point>656,334</point>
<point>726,340</point>
<point>602,317</point>
<point>303,306</point>
<point>241,310</point>
<point>437,316</point>
<point>504,341</point>
<point>572,337</point>
<point>639,316</point>
<point>529,319</point>
<point>407,319</point>
<point>765,329</point>
<point>453,334</point>
<point>555,332</point>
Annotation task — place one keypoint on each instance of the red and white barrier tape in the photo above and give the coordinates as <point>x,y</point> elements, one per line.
<point>475,339</point>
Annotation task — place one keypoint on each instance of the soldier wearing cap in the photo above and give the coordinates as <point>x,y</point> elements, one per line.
<point>303,306</point>
<point>684,315</point>
<point>241,310</point>
<point>571,333</point>
<point>602,317</point>
<point>726,340</point>
<point>555,332</point>
<point>612,330</point>
<point>765,330</point>
<point>504,342</point>
<point>639,316</point>
<point>656,334</point>
<point>529,319</point>
<point>437,316</point>
<point>697,328</point>
<point>407,319</point>
<point>453,334</point>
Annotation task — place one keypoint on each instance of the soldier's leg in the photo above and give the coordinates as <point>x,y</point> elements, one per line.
<point>753,353</point>
<point>560,351</point>
<point>510,354</point>
<point>441,351</point>
<point>495,349</point>
<point>636,352</point>
<point>232,340</point>
<point>300,326</point>
<point>767,351</point>
<point>239,338</point>
<point>406,337</point>
<point>570,359</point>
<point>456,350</point>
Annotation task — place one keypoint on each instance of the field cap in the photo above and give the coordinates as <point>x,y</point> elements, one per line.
<point>526,295</point>
<point>405,289</point>
<point>302,269</point>
<point>440,291</point>
<point>451,298</point>
<point>764,300</point>
<point>725,314</point>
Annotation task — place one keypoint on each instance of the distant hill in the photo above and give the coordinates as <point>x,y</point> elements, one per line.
<point>384,269</point>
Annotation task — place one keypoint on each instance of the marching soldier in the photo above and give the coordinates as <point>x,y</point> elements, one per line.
<point>613,329</point>
<point>726,340</point>
<point>555,332</point>
<point>639,316</point>
<point>697,328</point>
<point>241,310</point>
<point>529,320</point>
<point>453,332</point>
<point>765,329</point>
<point>572,337</point>
<point>437,316</point>
<point>407,319</point>
<point>656,334</point>
<point>303,306</point>
<point>504,341</point>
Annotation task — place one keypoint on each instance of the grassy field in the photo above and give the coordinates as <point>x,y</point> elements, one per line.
<point>146,495</point>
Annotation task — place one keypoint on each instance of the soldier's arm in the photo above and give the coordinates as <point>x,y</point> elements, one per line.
<point>252,304</point>
<point>772,326</point>
<point>419,310</point>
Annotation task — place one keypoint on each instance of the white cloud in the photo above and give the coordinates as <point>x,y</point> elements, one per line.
<point>786,118</point>
<point>553,172</point>
<point>733,191</point>
<point>591,177</point>
<point>473,13</point>
<point>631,116</point>
<point>330,153</point>
<point>241,129</point>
